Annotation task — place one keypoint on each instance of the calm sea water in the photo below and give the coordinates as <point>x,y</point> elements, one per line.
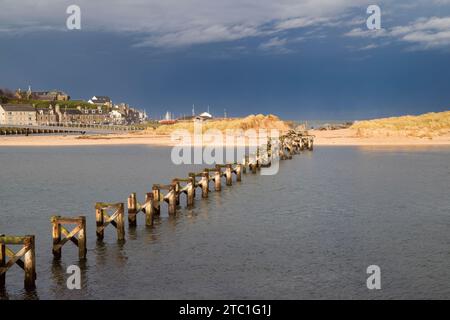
<point>308,232</point>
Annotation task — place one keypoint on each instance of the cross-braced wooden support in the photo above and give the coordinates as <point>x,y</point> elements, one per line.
<point>116,219</point>
<point>171,199</point>
<point>227,173</point>
<point>28,264</point>
<point>188,189</point>
<point>134,207</point>
<point>59,229</point>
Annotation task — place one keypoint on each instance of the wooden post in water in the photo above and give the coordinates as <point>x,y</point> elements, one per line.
<point>132,209</point>
<point>246,161</point>
<point>228,176</point>
<point>58,229</point>
<point>120,220</point>
<point>149,209</point>
<point>99,222</point>
<point>172,199</point>
<point>82,247</point>
<point>310,144</point>
<point>28,264</point>
<point>193,175</point>
<point>156,198</point>
<point>177,191</point>
<point>258,158</point>
<point>238,172</point>
<point>289,147</point>
<point>281,152</point>
<point>190,192</point>
<point>217,179</point>
<point>117,219</point>
<point>205,184</point>
<point>29,261</point>
<point>56,235</point>
<point>253,167</point>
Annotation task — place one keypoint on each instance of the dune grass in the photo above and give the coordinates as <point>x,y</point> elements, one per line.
<point>250,122</point>
<point>426,125</point>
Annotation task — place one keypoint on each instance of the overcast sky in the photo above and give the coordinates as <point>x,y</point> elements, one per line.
<point>303,59</point>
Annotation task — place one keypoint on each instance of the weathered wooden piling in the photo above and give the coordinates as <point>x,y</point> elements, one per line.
<point>258,155</point>
<point>205,184</point>
<point>191,192</point>
<point>59,229</point>
<point>246,163</point>
<point>116,219</point>
<point>238,171</point>
<point>149,209</point>
<point>132,209</point>
<point>229,178</point>
<point>217,179</point>
<point>29,259</point>
<point>194,177</point>
<point>156,199</point>
<point>177,191</point>
<point>254,167</point>
<point>310,144</point>
<point>172,199</point>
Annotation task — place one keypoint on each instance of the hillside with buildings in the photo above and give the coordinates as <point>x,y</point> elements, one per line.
<point>55,107</point>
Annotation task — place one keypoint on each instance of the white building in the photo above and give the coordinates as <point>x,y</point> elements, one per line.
<point>205,115</point>
<point>101,101</point>
<point>117,116</point>
<point>20,114</point>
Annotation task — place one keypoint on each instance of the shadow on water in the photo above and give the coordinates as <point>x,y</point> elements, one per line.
<point>23,295</point>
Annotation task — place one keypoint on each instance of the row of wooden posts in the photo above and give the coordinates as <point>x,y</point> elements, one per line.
<point>114,213</point>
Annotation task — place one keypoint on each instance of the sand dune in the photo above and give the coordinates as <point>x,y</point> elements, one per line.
<point>427,129</point>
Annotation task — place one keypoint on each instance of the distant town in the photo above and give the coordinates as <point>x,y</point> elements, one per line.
<point>28,107</point>
<point>55,107</point>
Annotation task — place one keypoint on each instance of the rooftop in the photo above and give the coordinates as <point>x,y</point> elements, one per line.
<point>18,107</point>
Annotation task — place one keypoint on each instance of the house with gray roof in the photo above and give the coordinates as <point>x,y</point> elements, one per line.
<point>17,114</point>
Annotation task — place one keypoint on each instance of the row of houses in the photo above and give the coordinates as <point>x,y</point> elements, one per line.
<point>26,114</point>
<point>102,109</point>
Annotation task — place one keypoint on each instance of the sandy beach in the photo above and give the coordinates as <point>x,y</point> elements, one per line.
<point>349,137</point>
<point>343,137</point>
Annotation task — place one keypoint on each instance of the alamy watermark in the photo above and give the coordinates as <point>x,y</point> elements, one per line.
<point>374,280</point>
<point>74,280</point>
<point>215,147</point>
<point>73,22</point>
<point>373,22</point>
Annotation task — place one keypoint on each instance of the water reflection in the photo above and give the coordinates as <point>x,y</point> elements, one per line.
<point>307,232</point>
